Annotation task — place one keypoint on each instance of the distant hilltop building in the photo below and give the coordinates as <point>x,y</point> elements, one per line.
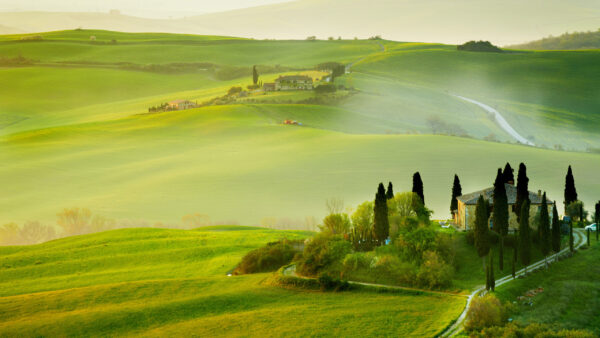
<point>465,215</point>
<point>182,105</point>
<point>293,82</point>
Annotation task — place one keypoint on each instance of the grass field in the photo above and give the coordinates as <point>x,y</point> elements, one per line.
<point>571,296</point>
<point>157,282</point>
<point>72,136</point>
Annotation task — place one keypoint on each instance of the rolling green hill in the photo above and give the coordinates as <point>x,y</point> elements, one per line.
<point>157,282</point>
<point>71,133</point>
<point>566,41</point>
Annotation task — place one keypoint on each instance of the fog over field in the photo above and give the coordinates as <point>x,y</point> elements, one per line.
<point>502,22</point>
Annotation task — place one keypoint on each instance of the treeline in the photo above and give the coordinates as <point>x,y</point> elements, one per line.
<point>576,40</point>
<point>79,221</point>
<point>479,46</point>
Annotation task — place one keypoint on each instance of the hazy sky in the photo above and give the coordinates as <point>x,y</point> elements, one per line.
<point>145,8</point>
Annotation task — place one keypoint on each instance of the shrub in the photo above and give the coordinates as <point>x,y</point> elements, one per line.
<point>325,88</point>
<point>531,330</point>
<point>470,237</point>
<point>414,243</point>
<point>434,272</point>
<point>323,252</point>
<point>268,258</point>
<point>479,46</point>
<point>329,283</point>
<point>392,267</point>
<point>356,261</point>
<point>494,237</point>
<point>234,90</point>
<point>485,312</point>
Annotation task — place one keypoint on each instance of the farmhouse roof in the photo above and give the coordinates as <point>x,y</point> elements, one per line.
<point>511,194</point>
<point>294,77</point>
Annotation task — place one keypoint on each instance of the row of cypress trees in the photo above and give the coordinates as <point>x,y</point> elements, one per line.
<point>549,236</point>
<point>381,226</point>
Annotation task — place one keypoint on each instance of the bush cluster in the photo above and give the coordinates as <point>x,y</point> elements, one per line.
<point>323,253</point>
<point>269,258</point>
<point>329,283</point>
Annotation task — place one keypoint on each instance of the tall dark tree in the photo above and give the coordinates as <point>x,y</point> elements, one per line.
<point>389,194</point>
<point>254,75</point>
<point>522,189</point>
<point>500,214</point>
<point>570,191</point>
<point>525,235</point>
<point>571,244</point>
<point>555,231</point>
<point>418,186</point>
<point>597,219</point>
<point>456,192</point>
<point>545,242</point>
<point>514,260</point>
<point>381,225</point>
<point>482,241</point>
<point>508,174</point>
<point>492,277</point>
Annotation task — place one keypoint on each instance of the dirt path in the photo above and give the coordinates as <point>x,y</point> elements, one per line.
<point>500,120</point>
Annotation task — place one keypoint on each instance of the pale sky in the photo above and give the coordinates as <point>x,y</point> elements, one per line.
<point>143,8</point>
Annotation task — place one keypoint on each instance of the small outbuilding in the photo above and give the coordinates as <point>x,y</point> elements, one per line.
<point>182,105</point>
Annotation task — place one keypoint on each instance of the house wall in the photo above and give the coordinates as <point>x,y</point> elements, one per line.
<point>466,216</point>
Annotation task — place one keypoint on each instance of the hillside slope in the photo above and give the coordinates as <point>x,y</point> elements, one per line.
<point>158,282</point>
<point>567,41</point>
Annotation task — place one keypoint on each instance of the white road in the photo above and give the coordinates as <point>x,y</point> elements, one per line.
<point>500,119</point>
<point>578,239</point>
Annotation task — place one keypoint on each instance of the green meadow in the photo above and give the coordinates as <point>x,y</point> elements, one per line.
<point>157,282</point>
<point>73,130</point>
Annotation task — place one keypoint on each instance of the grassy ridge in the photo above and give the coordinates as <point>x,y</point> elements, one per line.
<point>571,296</point>
<point>172,282</point>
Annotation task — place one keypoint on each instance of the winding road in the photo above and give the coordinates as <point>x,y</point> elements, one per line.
<point>579,239</point>
<point>500,119</point>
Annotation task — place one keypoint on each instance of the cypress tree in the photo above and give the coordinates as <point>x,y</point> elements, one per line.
<point>571,247</point>
<point>389,194</point>
<point>456,192</point>
<point>570,191</point>
<point>508,174</point>
<point>597,219</point>
<point>522,190</point>
<point>524,235</point>
<point>545,229</point>
<point>588,237</point>
<point>381,224</point>
<point>418,186</point>
<point>492,278</point>
<point>500,215</point>
<point>482,242</point>
<point>487,277</point>
<point>254,75</point>
<point>514,261</point>
<point>555,231</point>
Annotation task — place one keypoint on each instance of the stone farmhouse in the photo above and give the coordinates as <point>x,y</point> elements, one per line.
<point>182,105</point>
<point>464,217</point>
<point>294,82</point>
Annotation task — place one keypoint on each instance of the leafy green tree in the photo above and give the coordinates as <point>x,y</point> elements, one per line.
<point>390,191</point>
<point>576,210</point>
<point>456,192</point>
<point>482,241</point>
<point>545,242</point>
<point>361,234</point>
<point>522,190</point>
<point>500,215</point>
<point>381,221</point>
<point>570,191</point>
<point>336,224</point>
<point>514,260</point>
<point>555,230</point>
<point>525,235</point>
<point>508,174</point>
<point>418,186</point>
<point>254,75</point>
